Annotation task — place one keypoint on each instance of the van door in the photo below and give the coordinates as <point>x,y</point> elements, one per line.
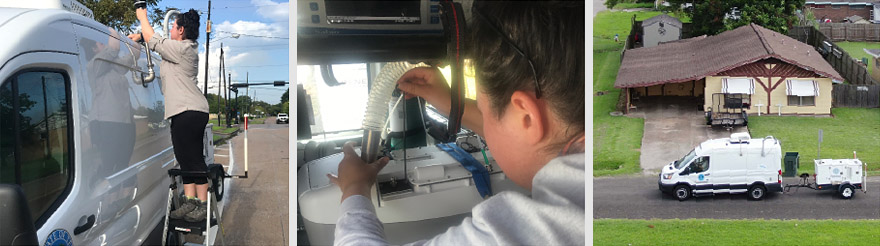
<point>700,175</point>
<point>129,145</point>
<point>37,141</point>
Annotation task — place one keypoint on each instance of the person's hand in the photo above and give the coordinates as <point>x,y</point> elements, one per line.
<point>141,14</point>
<point>427,83</point>
<point>355,176</point>
<point>135,37</point>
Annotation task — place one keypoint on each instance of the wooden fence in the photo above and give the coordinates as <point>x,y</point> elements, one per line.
<point>855,96</point>
<point>851,69</point>
<point>851,32</point>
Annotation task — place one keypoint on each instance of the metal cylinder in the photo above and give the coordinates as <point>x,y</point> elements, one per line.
<point>370,145</point>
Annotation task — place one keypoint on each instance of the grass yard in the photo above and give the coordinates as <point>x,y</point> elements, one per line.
<point>856,50</point>
<point>851,129</point>
<point>634,5</point>
<point>616,140</point>
<point>735,232</point>
<point>257,121</point>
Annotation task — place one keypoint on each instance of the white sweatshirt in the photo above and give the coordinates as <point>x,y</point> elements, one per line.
<point>553,215</point>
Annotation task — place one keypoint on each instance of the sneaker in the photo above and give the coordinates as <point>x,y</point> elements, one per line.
<point>188,206</point>
<point>197,214</point>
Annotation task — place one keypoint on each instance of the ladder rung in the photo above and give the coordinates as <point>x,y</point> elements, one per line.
<point>184,226</point>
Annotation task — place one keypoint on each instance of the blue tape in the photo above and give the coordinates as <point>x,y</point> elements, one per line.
<point>478,171</point>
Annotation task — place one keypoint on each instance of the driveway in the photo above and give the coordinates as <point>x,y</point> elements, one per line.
<point>673,126</point>
<point>598,6</point>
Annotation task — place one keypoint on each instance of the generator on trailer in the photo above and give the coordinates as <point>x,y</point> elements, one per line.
<point>843,176</point>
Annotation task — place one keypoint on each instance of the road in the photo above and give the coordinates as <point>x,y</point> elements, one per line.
<point>639,198</point>
<point>257,211</point>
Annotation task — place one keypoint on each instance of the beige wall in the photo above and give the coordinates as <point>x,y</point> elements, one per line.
<point>777,96</point>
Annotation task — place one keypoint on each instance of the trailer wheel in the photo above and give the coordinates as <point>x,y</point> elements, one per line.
<point>217,176</point>
<point>757,192</point>
<point>682,192</point>
<point>847,191</point>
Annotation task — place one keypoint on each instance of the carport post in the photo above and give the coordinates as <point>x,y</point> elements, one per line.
<point>627,100</point>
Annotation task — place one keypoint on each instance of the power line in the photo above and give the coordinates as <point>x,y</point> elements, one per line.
<point>270,65</point>
<point>252,35</point>
<point>252,46</point>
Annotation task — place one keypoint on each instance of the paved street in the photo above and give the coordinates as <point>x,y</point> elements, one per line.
<point>256,212</point>
<point>639,198</point>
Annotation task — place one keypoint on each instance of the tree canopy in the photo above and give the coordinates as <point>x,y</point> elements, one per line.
<point>716,16</point>
<point>119,14</point>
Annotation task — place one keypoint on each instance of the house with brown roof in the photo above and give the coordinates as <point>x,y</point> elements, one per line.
<point>750,68</point>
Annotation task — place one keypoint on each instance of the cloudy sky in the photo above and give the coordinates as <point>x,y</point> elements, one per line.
<point>261,50</point>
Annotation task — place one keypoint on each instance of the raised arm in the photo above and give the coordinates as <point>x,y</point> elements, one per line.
<point>146,28</point>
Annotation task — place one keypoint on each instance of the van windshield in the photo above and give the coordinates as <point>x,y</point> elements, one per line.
<point>685,160</point>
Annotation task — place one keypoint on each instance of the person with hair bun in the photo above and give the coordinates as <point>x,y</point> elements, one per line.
<point>185,105</point>
<point>529,64</point>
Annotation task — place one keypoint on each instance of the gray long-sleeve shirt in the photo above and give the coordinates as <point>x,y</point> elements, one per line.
<point>179,73</point>
<point>553,215</point>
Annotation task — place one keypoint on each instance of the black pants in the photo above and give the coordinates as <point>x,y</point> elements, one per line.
<point>187,132</point>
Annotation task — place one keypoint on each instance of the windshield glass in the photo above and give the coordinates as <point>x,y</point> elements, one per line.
<point>685,160</point>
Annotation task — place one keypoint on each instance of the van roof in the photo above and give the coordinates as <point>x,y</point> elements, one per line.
<point>726,143</point>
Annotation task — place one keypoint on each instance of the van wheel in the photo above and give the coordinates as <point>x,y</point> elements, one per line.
<point>847,191</point>
<point>682,192</point>
<point>757,192</point>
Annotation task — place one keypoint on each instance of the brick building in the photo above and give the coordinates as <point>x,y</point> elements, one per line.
<point>838,10</point>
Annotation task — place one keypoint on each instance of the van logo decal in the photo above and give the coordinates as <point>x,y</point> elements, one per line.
<point>59,237</point>
<point>701,177</point>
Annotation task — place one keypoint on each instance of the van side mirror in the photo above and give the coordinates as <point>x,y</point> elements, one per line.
<point>18,227</point>
<point>687,170</point>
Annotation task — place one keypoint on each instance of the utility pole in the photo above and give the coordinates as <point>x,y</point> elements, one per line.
<point>207,46</point>
<point>220,85</point>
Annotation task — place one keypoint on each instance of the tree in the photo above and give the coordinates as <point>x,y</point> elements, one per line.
<point>778,16</point>
<point>712,17</point>
<point>119,14</point>
<point>284,97</point>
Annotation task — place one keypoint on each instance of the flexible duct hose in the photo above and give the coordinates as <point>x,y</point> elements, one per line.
<point>377,106</point>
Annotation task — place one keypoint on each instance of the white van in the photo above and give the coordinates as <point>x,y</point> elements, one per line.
<point>739,164</point>
<point>81,136</point>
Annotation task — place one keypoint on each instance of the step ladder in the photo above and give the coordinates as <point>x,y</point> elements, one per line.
<point>215,176</point>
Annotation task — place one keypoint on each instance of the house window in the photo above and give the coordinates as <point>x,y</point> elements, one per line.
<point>35,149</point>
<point>856,6</point>
<point>835,6</point>
<point>802,92</point>
<point>801,101</point>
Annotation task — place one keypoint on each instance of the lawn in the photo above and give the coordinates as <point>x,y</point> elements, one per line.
<point>256,121</point>
<point>221,128</point>
<point>634,5</point>
<point>856,50</point>
<point>616,140</point>
<point>851,129</point>
<point>735,232</point>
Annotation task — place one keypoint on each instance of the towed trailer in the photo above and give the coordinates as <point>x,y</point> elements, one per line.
<point>843,176</point>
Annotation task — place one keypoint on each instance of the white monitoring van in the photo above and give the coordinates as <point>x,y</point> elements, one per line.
<point>81,135</point>
<point>739,164</point>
